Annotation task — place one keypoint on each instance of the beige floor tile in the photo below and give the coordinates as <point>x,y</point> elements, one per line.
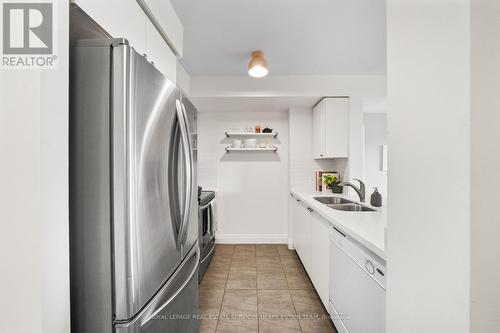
<point>284,251</point>
<point>234,271</point>
<point>210,302</point>
<point>266,246</point>
<point>239,304</point>
<point>282,247</point>
<point>242,278</point>
<point>298,280</point>
<point>275,304</point>
<point>271,280</point>
<point>317,326</point>
<point>269,264</point>
<point>266,250</point>
<point>268,260</point>
<point>279,326</point>
<point>238,326</point>
<point>244,255</point>
<point>208,326</point>
<point>214,279</point>
<point>307,303</point>
<point>285,300</point>
<point>223,255</point>
<point>220,263</point>
<point>291,264</point>
<point>240,248</point>
<point>244,262</point>
<point>224,248</point>
<point>223,251</point>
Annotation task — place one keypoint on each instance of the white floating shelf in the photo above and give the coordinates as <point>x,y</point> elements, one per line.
<point>229,149</point>
<point>230,134</point>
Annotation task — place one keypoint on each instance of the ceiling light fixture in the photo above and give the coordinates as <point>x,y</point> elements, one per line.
<point>257,67</point>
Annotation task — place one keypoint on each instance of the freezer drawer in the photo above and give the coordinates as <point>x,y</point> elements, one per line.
<point>175,307</point>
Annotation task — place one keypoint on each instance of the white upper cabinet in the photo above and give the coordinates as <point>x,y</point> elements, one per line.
<point>162,14</point>
<point>331,128</point>
<point>120,18</point>
<point>151,27</point>
<point>159,53</point>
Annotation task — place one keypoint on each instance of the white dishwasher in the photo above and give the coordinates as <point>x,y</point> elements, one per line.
<point>357,286</point>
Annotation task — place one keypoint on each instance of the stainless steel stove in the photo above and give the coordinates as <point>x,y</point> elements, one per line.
<point>206,229</point>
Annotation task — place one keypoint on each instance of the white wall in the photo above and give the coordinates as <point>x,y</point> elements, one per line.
<point>252,187</point>
<point>375,136</point>
<point>34,194</point>
<point>485,160</point>
<point>428,234</point>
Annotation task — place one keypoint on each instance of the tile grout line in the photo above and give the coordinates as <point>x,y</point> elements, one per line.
<point>291,296</point>
<point>224,292</point>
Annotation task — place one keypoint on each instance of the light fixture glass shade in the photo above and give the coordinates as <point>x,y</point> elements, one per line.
<point>257,67</point>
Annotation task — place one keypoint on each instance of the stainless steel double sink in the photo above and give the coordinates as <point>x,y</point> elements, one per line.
<point>343,204</point>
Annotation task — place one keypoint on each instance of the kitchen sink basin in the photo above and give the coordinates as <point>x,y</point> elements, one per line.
<point>351,207</point>
<point>333,200</point>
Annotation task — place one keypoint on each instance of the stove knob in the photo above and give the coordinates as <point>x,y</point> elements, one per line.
<point>369,267</point>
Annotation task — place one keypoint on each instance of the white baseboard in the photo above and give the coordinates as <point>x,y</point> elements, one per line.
<point>251,239</point>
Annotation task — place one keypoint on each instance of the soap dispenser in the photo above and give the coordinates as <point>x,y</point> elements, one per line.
<point>376,198</point>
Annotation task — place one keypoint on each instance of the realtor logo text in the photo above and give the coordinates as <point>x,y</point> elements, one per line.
<point>28,34</point>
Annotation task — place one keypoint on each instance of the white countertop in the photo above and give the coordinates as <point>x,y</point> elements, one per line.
<point>368,228</point>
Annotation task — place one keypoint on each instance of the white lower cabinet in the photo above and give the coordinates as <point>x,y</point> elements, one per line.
<point>311,240</point>
<point>320,257</point>
<point>302,233</point>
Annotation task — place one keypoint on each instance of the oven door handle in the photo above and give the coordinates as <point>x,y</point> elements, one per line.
<point>206,206</point>
<point>210,217</point>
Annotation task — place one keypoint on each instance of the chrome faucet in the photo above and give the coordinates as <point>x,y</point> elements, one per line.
<point>360,191</point>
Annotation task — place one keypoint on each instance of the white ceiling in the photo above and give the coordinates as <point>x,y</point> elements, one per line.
<point>299,37</point>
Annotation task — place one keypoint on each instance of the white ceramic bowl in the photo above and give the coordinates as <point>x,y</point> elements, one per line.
<point>236,144</point>
<point>250,143</point>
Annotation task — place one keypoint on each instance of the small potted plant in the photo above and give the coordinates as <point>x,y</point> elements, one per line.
<point>332,182</point>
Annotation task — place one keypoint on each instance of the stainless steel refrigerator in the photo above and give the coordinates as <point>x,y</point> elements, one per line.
<point>133,195</point>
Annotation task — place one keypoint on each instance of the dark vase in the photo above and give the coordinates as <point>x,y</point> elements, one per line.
<point>336,188</point>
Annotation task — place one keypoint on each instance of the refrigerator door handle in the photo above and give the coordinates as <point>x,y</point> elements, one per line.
<point>167,293</point>
<point>186,148</point>
<point>155,312</point>
<point>173,186</point>
<point>190,176</point>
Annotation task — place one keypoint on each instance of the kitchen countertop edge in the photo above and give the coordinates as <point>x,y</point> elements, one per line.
<point>367,228</point>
